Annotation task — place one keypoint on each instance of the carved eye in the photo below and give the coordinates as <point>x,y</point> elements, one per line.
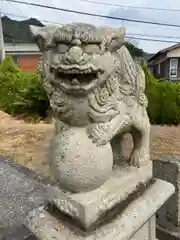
<point>92,48</point>
<point>62,48</point>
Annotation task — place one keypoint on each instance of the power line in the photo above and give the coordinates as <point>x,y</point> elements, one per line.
<point>16,8</point>
<point>22,15</point>
<point>95,15</point>
<point>26,17</point>
<point>33,9</point>
<point>151,39</point>
<point>54,22</point>
<point>156,36</point>
<point>128,6</point>
<point>129,35</point>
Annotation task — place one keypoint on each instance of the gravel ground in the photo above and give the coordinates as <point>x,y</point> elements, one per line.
<point>28,143</point>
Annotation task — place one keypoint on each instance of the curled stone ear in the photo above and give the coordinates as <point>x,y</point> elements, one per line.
<point>113,38</point>
<point>35,29</point>
<point>43,35</point>
<point>39,36</point>
<point>118,40</point>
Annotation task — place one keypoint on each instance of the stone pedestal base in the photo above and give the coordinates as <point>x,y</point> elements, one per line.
<point>135,219</point>
<point>146,232</point>
<point>124,185</point>
<point>168,216</point>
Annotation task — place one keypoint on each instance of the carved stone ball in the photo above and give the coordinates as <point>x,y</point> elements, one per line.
<point>77,163</point>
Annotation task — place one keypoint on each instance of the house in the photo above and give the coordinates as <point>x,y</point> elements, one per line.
<point>166,63</point>
<point>26,55</point>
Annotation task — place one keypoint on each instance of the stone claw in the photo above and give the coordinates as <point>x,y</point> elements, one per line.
<point>134,160</point>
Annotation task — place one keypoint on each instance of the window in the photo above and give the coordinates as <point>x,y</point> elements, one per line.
<point>173,70</point>
<point>159,69</point>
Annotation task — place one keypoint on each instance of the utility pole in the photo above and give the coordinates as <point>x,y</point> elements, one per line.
<point>2,50</point>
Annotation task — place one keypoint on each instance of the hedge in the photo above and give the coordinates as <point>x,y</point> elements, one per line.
<point>163,100</point>
<point>22,93</point>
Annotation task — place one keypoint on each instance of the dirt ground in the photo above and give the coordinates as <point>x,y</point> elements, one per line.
<point>28,143</point>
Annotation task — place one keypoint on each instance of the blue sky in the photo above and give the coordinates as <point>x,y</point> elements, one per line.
<point>131,28</point>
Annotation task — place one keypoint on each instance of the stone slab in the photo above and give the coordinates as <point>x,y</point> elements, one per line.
<point>122,227</point>
<point>90,206</point>
<point>45,180</point>
<point>19,194</point>
<point>168,169</point>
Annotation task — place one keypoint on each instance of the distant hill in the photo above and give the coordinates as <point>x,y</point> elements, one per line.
<point>18,31</point>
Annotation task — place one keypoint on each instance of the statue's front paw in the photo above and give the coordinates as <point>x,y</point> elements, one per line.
<point>99,135</point>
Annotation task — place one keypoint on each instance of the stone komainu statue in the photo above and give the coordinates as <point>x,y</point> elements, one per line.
<point>93,82</point>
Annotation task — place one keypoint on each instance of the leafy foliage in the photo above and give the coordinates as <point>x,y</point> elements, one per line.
<point>163,100</point>
<point>20,92</point>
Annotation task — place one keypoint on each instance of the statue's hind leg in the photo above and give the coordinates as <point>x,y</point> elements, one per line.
<point>118,149</point>
<point>141,134</point>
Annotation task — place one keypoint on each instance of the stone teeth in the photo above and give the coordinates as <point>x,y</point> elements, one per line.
<point>89,68</point>
<point>75,82</point>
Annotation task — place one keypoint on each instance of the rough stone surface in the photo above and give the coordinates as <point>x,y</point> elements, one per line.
<point>123,227</point>
<point>83,156</point>
<point>20,233</point>
<point>89,207</point>
<point>168,169</point>
<point>18,195</point>
<point>92,83</point>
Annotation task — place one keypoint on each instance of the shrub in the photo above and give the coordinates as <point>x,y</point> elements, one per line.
<point>21,92</point>
<point>9,74</point>
<point>32,99</point>
<point>163,100</point>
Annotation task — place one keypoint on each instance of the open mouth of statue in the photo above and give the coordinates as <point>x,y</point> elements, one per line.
<point>77,78</point>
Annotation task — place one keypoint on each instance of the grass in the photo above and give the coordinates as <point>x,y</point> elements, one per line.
<point>29,143</point>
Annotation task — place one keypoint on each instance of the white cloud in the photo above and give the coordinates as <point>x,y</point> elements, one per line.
<point>64,17</point>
